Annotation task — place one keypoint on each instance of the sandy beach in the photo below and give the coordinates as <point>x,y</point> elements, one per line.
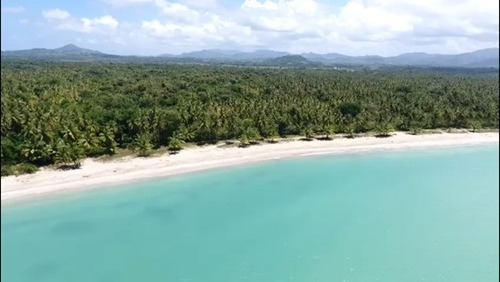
<point>94,173</point>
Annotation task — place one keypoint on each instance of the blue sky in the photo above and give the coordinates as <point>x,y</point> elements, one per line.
<point>352,27</point>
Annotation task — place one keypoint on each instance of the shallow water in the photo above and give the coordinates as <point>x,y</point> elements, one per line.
<point>415,215</point>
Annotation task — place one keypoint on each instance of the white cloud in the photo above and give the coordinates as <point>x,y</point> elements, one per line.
<point>55,14</point>
<point>126,3</point>
<point>13,10</point>
<point>379,20</point>
<point>284,21</point>
<point>99,23</point>
<point>361,22</point>
<point>359,27</point>
<point>185,26</point>
<point>118,40</point>
<point>255,4</point>
<point>179,12</point>
<point>191,3</point>
<point>384,22</point>
<point>209,31</point>
<point>201,3</point>
<point>61,19</point>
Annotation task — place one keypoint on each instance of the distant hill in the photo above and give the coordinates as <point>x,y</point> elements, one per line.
<point>229,55</point>
<point>72,49</point>
<point>485,58</point>
<point>487,63</point>
<point>260,55</point>
<point>481,58</point>
<point>207,54</point>
<point>291,61</point>
<point>67,52</point>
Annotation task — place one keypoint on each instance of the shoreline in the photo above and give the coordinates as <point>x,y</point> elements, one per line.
<point>95,174</point>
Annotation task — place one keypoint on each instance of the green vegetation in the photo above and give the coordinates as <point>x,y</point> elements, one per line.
<point>58,113</point>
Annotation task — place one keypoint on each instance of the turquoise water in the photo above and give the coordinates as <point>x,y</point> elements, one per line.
<point>416,215</point>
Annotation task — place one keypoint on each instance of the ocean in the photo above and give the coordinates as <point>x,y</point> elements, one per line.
<point>406,215</point>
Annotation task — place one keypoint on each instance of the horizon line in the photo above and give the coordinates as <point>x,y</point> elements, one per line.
<point>261,49</point>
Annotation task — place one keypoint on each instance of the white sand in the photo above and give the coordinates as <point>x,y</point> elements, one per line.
<point>94,173</point>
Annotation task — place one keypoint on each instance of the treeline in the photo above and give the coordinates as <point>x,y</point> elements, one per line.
<point>62,112</point>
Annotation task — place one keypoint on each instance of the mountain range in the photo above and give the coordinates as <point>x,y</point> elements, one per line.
<point>484,58</point>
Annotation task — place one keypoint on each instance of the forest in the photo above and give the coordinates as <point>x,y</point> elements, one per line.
<point>61,112</point>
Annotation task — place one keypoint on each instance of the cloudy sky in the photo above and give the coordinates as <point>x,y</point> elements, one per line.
<point>352,27</point>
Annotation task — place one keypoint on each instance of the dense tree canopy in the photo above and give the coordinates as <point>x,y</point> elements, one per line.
<point>61,112</point>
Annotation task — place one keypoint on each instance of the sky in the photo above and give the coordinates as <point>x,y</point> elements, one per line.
<point>154,27</point>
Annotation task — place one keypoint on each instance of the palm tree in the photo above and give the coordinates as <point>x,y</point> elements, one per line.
<point>108,138</point>
<point>143,143</point>
<point>176,143</point>
<point>349,112</point>
<point>308,132</point>
<point>248,132</point>
<point>383,128</point>
<point>68,154</point>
